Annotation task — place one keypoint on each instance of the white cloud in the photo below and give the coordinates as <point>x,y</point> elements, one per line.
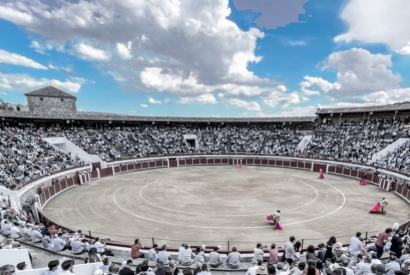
<point>381,21</point>
<point>48,45</point>
<point>405,50</point>
<point>360,72</point>
<point>387,97</point>
<point>193,43</point>
<point>208,99</point>
<point>153,101</point>
<point>19,60</point>
<point>299,111</point>
<point>88,52</point>
<point>26,83</point>
<point>117,76</point>
<point>309,83</point>
<point>144,106</point>
<point>292,98</point>
<point>124,51</point>
<point>36,46</point>
<point>275,98</point>
<point>17,16</point>
<point>250,106</point>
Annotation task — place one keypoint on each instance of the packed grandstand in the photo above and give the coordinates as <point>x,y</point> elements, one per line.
<point>348,135</point>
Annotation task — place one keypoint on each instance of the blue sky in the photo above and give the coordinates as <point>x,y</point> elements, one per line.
<point>209,58</point>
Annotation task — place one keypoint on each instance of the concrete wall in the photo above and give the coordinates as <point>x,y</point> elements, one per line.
<point>14,256</point>
<point>389,148</point>
<point>66,145</point>
<point>39,104</point>
<point>304,142</point>
<point>190,137</point>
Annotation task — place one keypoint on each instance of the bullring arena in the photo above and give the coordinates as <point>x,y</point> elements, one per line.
<point>174,180</point>
<point>224,205</point>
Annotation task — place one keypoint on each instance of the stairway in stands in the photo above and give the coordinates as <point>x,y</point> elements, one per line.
<point>229,143</point>
<point>157,149</point>
<point>265,139</point>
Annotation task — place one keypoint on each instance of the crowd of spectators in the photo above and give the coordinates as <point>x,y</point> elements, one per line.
<point>24,156</point>
<point>385,254</point>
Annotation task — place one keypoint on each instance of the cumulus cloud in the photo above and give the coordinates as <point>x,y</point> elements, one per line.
<point>208,98</point>
<point>359,71</point>
<point>405,50</point>
<point>26,83</point>
<point>381,21</point>
<point>192,44</point>
<point>299,111</point>
<point>387,97</point>
<point>19,16</point>
<point>144,106</point>
<point>19,60</point>
<point>250,106</point>
<point>89,52</point>
<point>313,85</point>
<point>124,51</point>
<point>153,101</point>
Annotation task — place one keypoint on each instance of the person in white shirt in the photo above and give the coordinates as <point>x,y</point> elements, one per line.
<point>164,256</point>
<point>215,259</point>
<point>7,228</point>
<point>234,259</point>
<point>258,253</point>
<point>59,243</point>
<point>363,268</point>
<point>187,256</point>
<point>355,247</point>
<point>374,259</point>
<point>392,266</point>
<point>15,232</point>
<point>36,235</point>
<point>152,253</point>
<point>252,270</point>
<point>290,253</point>
<point>100,247</point>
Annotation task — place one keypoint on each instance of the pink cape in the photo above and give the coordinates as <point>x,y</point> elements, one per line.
<point>269,218</point>
<point>280,227</point>
<point>376,208</point>
<point>321,176</point>
<point>363,182</point>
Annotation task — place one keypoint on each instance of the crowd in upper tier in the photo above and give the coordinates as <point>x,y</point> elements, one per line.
<point>24,156</point>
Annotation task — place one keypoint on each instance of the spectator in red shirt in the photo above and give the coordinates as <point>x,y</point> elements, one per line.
<point>381,242</point>
<point>135,250</point>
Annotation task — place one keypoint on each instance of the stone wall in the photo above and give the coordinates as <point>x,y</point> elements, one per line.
<point>38,104</point>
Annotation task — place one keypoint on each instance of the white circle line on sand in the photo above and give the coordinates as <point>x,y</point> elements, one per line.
<point>231,227</point>
<point>233,215</point>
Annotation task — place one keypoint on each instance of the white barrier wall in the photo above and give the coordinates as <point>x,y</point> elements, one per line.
<point>304,142</point>
<point>67,146</point>
<point>14,256</point>
<point>389,148</point>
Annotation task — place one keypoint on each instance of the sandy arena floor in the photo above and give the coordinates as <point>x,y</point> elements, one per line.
<point>214,205</point>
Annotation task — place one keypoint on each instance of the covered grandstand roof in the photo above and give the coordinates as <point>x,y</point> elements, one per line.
<point>50,91</point>
<point>365,109</point>
<point>97,116</point>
